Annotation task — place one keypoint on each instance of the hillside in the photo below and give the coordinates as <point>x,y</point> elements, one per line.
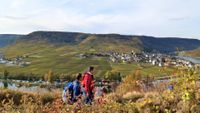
<point>194,53</point>
<point>169,44</point>
<point>59,52</point>
<point>7,39</point>
<point>113,42</point>
<point>99,42</point>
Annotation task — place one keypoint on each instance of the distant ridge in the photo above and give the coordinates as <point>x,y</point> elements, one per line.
<point>106,41</point>
<point>7,39</point>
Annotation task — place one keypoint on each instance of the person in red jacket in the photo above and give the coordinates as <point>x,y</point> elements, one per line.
<point>88,85</point>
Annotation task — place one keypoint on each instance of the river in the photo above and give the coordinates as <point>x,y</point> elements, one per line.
<point>33,89</point>
<point>193,60</point>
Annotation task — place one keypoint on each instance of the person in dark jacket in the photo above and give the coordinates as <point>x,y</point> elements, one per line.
<point>77,88</point>
<point>72,90</point>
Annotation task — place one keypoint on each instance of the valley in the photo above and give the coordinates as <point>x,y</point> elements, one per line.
<point>68,53</point>
<point>34,69</point>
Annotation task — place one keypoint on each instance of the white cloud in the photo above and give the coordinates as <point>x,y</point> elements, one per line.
<point>144,17</point>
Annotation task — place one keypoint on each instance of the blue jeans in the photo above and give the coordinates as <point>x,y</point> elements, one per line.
<point>88,99</point>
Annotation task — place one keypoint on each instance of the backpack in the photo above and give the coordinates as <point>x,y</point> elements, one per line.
<point>76,88</point>
<point>69,86</point>
<point>68,89</point>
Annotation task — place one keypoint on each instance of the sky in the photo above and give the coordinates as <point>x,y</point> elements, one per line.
<point>163,18</point>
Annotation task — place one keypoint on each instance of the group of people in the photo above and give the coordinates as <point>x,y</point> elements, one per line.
<point>80,89</point>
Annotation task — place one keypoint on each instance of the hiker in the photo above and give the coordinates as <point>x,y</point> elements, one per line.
<point>171,87</point>
<point>72,90</point>
<point>92,89</point>
<point>77,93</point>
<point>67,94</point>
<point>88,85</point>
<point>100,93</point>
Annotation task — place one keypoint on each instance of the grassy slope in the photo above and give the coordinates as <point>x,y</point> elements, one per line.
<point>58,59</point>
<point>195,53</point>
<point>63,59</point>
<point>101,43</point>
<point>146,69</point>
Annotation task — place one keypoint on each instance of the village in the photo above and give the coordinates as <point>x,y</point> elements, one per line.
<point>18,61</point>
<point>156,59</point>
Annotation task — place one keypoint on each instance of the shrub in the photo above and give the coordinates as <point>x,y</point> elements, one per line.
<point>184,98</point>
<point>46,98</point>
<point>130,83</point>
<point>113,76</point>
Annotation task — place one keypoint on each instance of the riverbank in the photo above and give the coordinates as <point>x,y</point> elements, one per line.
<point>193,60</point>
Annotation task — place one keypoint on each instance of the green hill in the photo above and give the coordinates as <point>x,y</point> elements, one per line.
<point>86,41</point>
<point>114,41</point>
<point>59,52</point>
<point>110,42</point>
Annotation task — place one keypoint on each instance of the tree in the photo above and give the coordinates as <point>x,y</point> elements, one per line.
<point>5,74</point>
<point>5,77</point>
<point>130,83</point>
<point>49,76</point>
